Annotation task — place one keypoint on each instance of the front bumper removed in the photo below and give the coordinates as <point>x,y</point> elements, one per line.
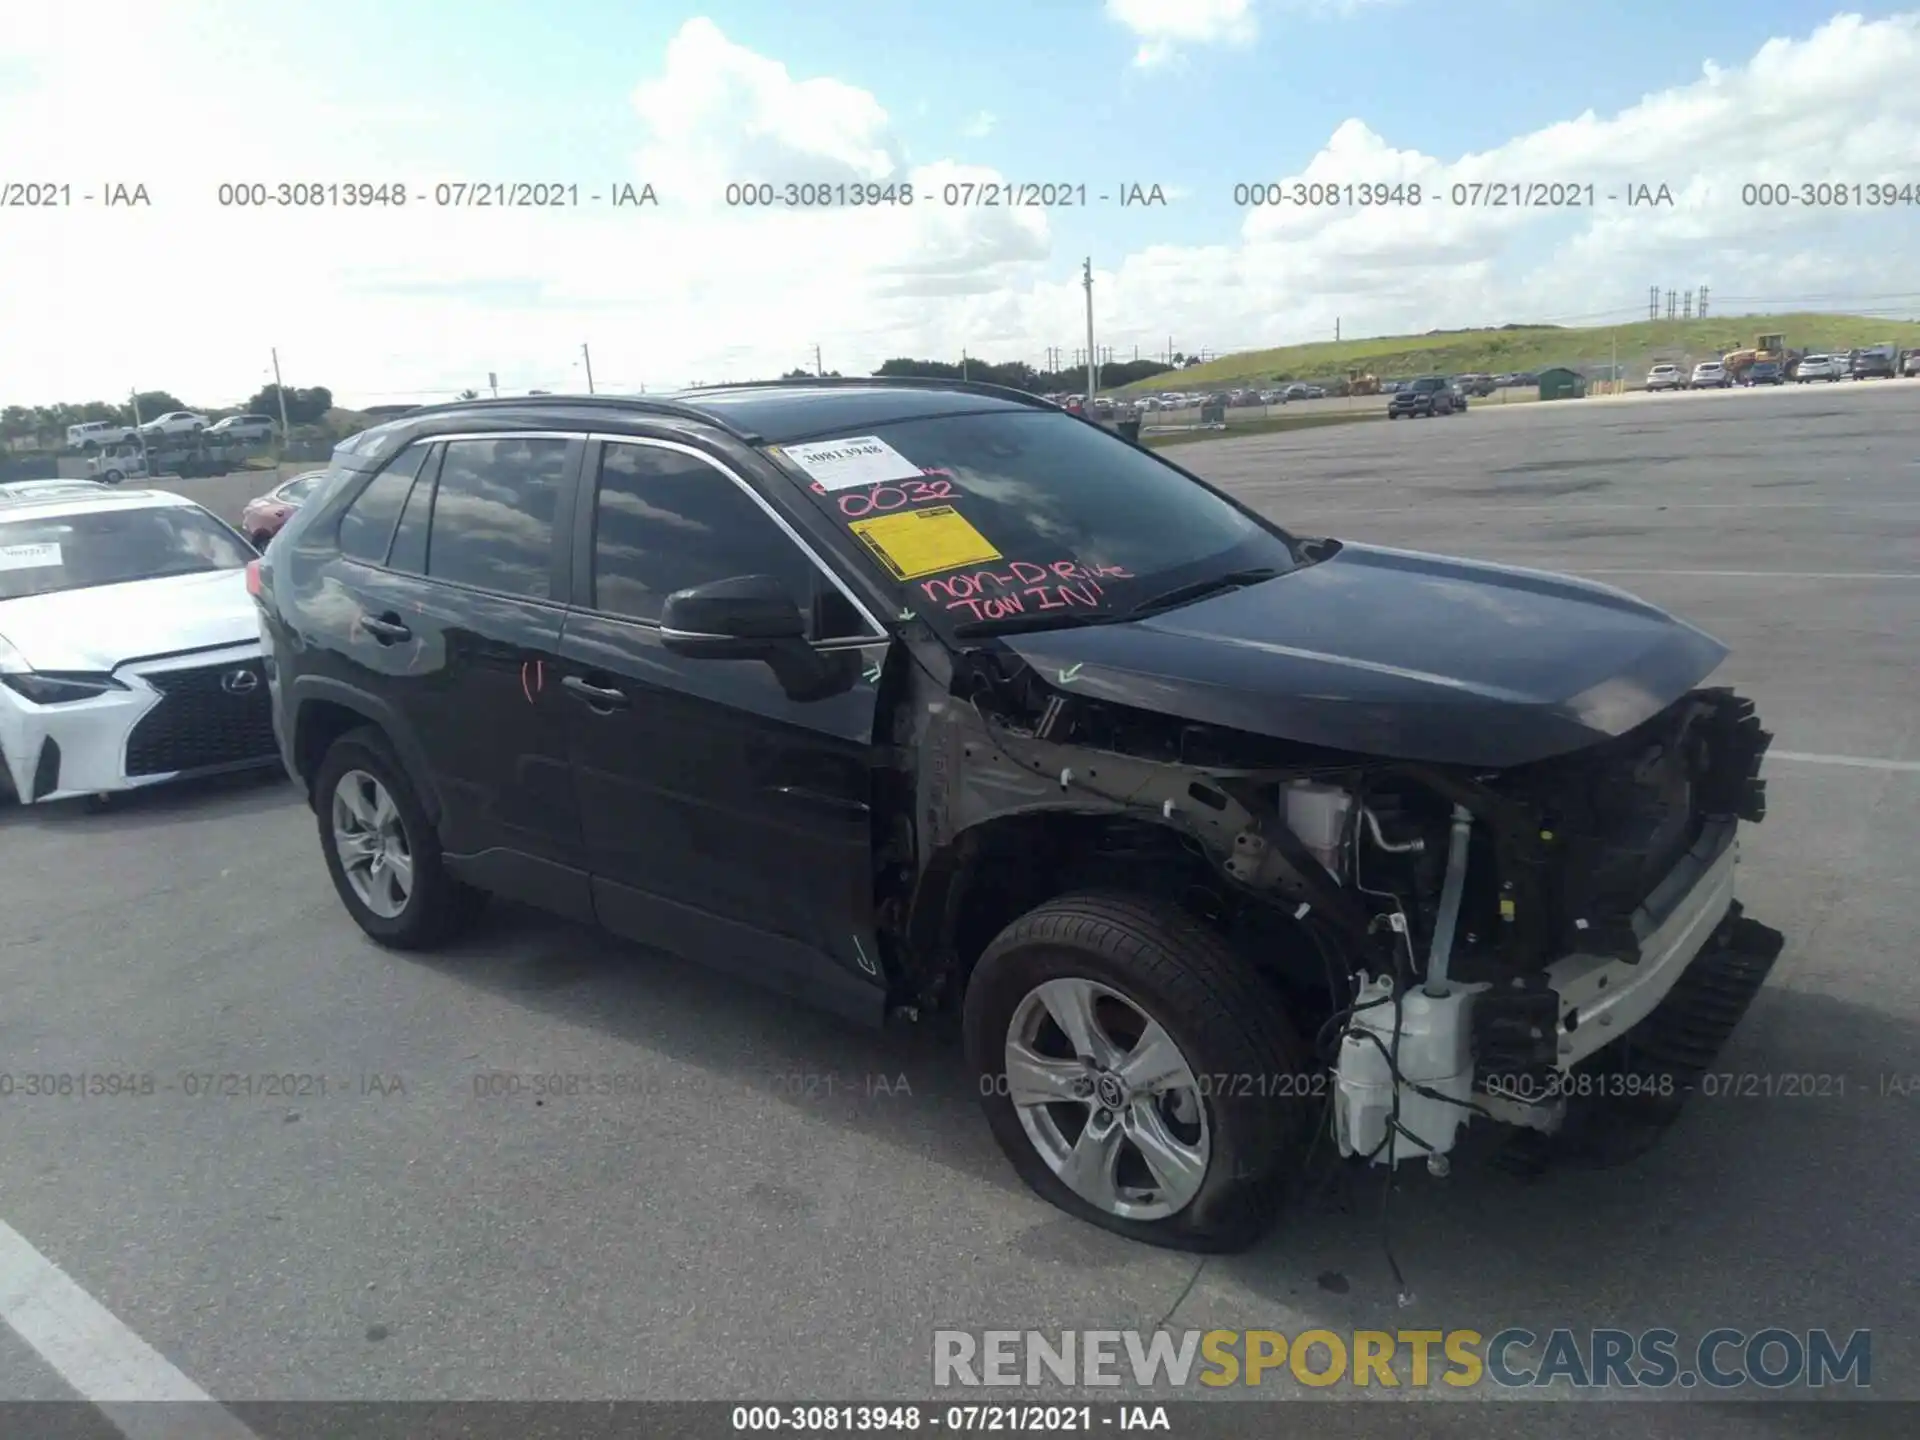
<point>1618,1103</point>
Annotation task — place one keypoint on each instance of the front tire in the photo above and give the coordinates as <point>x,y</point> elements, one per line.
<point>381,849</point>
<point>1136,1074</point>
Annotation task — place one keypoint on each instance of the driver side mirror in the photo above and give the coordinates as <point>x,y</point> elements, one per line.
<point>746,617</point>
<point>754,617</point>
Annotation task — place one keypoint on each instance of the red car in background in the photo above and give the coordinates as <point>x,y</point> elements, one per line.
<point>264,516</point>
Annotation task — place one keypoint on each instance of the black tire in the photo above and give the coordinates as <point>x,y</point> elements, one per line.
<point>1225,1023</point>
<point>113,477</point>
<point>439,907</point>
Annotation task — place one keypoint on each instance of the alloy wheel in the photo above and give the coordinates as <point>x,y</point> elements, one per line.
<point>371,842</point>
<point>1107,1099</point>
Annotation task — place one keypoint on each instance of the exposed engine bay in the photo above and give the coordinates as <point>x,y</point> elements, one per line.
<point>1489,943</point>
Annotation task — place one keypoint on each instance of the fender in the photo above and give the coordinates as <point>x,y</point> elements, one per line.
<point>312,689</point>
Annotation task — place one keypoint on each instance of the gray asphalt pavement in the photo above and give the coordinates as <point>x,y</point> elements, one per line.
<point>781,1207</point>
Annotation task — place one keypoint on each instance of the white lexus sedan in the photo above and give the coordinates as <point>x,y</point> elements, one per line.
<point>129,646</point>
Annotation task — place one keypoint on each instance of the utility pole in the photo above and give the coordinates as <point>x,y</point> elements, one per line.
<point>1703,302</point>
<point>819,365</point>
<point>280,392</point>
<point>1093,363</point>
<point>1336,329</point>
<point>963,365</point>
<point>586,358</point>
<point>493,383</point>
<point>1613,369</point>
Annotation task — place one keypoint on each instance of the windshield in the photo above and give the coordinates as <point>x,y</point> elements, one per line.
<point>1026,516</point>
<point>42,555</point>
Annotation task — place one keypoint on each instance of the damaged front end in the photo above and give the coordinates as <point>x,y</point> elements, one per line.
<point>1541,945</point>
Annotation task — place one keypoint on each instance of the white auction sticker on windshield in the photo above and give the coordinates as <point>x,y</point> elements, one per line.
<point>847,464</point>
<point>29,557</point>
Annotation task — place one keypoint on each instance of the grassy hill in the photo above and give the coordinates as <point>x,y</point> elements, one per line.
<point>1534,347</point>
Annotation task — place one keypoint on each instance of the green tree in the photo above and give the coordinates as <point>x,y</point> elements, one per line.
<point>304,406</point>
<point>155,402</point>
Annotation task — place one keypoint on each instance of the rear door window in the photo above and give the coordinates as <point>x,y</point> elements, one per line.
<point>493,513</point>
<point>366,529</point>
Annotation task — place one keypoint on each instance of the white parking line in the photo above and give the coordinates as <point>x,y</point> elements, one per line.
<point>132,1384</point>
<point>1856,762</point>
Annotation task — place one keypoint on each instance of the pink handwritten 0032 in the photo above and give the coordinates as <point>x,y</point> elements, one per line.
<point>1022,586</point>
<point>895,496</point>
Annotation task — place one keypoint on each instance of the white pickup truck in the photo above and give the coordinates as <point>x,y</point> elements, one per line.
<point>95,433</point>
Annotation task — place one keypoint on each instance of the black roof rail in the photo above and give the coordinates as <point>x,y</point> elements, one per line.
<point>881,382</point>
<point>650,403</point>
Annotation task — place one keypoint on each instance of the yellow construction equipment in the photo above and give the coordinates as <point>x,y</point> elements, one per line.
<point>1361,383</point>
<point>1766,347</point>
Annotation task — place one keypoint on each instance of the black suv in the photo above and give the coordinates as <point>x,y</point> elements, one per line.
<point>909,697</point>
<point>1875,364</point>
<point>1429,395</point>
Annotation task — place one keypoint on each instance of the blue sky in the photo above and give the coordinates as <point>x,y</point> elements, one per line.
<point>1698,96</point>
<point>519,92</point>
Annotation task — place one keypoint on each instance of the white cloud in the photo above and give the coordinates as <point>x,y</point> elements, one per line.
<point>980,125</point>
<point>423,302</point>
<point>1165,26</point>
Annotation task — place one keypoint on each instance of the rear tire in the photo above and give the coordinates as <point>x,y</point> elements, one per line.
<point>1225,1107</point>
<point>359,769</point>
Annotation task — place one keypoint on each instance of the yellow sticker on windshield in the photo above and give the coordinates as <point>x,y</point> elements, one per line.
<point>913,543</point>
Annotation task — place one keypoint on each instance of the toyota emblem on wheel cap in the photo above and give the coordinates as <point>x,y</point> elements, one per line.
<point>239,682</point>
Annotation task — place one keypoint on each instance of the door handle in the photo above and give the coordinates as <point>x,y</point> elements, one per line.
<point>387,628</point>
<point>599,696</point>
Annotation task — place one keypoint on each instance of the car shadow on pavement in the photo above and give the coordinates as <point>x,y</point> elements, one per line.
<point>906,1085</point>
<point>1745,1209</point>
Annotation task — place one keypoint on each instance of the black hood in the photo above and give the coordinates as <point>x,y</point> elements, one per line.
<point>1396,654</point>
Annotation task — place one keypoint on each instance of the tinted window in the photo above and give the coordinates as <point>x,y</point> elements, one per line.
<point>409,551</point>
<point>112,547</point>
<point>664,521</point>
<point>493,514</point>
<point>1029,511</point>
<point>367,526</point>
<point>295,492</point>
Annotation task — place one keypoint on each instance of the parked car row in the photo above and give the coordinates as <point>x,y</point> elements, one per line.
<point>1879,362</point>
<point>97,433</point>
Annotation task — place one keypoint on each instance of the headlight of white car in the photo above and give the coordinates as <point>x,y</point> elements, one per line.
<point>59,689</point>
<point>50,688</point>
